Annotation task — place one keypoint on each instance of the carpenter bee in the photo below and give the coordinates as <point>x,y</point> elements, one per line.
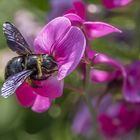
<point>26,65</point>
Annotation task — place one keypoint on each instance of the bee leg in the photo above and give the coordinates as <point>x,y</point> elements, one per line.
<point>34,85</point>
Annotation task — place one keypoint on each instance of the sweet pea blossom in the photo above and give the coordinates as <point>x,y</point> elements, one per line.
<point>115,77</point>
<point>128,76</point>
<point>91,29</point>
<point>115,119</point>
<point>110,4</point>
<point>66,44</point>
<point>119,119</point>
<point>103,75</point>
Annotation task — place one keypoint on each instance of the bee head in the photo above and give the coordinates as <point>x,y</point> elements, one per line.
<point>49,63</point>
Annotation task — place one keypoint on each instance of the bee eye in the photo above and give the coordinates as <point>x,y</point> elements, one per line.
<point>49,64</point>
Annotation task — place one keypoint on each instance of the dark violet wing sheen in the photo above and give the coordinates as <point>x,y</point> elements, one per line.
<point>13,82</point>
<point>15,40</point>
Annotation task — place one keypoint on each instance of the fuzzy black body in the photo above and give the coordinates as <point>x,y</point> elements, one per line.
<point>27,66</point>
<point>41,65</point>
<point>14,66</point>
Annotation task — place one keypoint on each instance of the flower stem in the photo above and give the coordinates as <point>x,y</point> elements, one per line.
<point>74,89</point>
<point>137,30</point>
<point>89,102</point>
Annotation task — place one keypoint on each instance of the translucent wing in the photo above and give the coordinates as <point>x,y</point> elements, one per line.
<point>13,82</point>
<point>15,40</point>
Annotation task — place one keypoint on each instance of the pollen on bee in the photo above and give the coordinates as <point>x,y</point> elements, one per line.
<point>28,81</point>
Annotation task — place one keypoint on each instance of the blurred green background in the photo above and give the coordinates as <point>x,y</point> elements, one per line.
<point>17,123</point>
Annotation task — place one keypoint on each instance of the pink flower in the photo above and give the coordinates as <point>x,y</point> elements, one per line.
<point>110,4</point>
<point>115,119</point>
<point>103,75</point>
<point>131,86</point>
<point>58,8</point>
<point>118,118</point>
<point>82,123</point>
<point>91,29</point>
<point>66,44</point>
<point>128,77</point>
<point>78,8</point>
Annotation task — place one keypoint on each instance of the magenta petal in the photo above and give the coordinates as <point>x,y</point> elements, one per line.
<point>70,51</point>
<point>51,34</point>
<point>91,54</point>
<point>114,120</point>
<point>131,87</point>
<point>104,59</point>
<point>75,19</point>
<point>82,122</point>
<point>80,9</point>
<point>98,29</point>
<point>51,87</point>
<point>25,95</point>
<point>115,3</point>
<point>101,58</point>
<point>100,75</point>
<point>41,104</point>
<point>131,90</point>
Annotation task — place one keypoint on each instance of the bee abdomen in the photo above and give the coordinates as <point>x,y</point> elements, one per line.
<point>14,66</point>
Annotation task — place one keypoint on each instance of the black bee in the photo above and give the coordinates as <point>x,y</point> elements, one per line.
<point>26,65</point>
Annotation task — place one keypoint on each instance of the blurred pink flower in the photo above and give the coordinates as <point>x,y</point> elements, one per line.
<point>78,8</point>
<point>104,75</point>
<point>82,123</point>
<point>119,119</point>
<point>66,44</point>
<point>110,4</point>
<point>58,8</point>
<point>115,119</point>
<point>128,77</point>
<point>131,86</point>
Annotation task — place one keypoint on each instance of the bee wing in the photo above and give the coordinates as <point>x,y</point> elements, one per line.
<point>15,40</point>
<point>13,82</point>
